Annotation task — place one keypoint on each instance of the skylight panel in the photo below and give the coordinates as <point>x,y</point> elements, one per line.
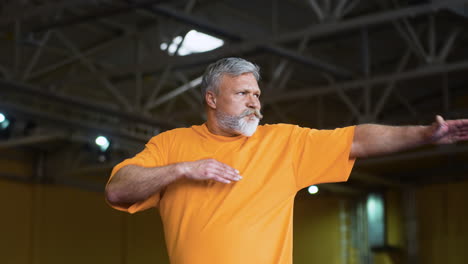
<point>194,42</point>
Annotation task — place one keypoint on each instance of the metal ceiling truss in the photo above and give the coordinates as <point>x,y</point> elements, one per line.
<point>137,113</point>
<point>318,30</point>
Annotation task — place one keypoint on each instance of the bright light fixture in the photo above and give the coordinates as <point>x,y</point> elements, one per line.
<point>102,142</point>
<point>313,189</point>
<point>194,42</point>
<point>4,122</point>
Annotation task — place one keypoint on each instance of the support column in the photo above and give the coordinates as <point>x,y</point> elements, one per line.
<point>411,225</point>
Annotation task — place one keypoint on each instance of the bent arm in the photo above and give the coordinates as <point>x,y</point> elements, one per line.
<point>132,183</point>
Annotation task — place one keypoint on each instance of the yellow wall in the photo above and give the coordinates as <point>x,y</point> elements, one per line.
<point>395,231</point>
<point>442,217</point>
<point>395,219</point>
<point>317,237</point>
<point>54,224</point>
<point>443,223</point>
<point>46,224</point>
<point>15,223</point>
<point>16,163</point>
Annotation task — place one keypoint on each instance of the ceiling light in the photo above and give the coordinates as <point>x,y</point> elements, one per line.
<point>193,42</point>
<point>4,122</point>
<point>313,189</point>
<point>102,142</point>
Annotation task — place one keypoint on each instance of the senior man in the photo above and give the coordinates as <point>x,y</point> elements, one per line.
<point>225,189</point>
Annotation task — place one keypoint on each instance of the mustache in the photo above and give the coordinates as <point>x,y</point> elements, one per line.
<point>256,112</point>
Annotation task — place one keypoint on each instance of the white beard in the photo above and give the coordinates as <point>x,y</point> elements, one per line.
<point>248,127</point>
<point>242,125</point>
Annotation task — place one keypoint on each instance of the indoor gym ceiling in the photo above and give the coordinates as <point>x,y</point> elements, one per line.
<point>71,70</point>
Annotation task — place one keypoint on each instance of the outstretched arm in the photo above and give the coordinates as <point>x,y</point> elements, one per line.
<point>374,140</point>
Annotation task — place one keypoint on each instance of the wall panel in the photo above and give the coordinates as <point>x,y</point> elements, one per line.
<point>317,237</point>
<point>76,227</point>
<point>45,224</point>
<point>145,238</point>
<point>48,224</point>
<point>442,216</point>
<point>15,222</point>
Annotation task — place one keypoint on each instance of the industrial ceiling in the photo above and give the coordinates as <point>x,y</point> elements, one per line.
<point>72,70</point>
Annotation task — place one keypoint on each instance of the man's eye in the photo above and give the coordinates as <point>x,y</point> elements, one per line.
<point>257,95</point>
<point>241,93</point>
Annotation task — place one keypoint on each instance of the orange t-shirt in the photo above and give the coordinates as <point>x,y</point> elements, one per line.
<point>249,221</point>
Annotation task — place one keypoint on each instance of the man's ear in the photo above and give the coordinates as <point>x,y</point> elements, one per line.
<point>210,99</point>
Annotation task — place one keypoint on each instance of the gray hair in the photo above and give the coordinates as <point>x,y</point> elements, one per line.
<point>229,66</point>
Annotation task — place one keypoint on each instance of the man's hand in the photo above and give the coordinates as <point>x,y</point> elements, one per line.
<point>448,131</point>
<point>209,169</point>
<point>375,140</point>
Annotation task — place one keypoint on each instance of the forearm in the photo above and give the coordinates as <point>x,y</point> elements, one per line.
<point>133,183</point>
<point>374,140</point>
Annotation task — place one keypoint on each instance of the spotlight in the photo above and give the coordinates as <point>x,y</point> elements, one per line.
<point>4,122</point>
<point>103,143</point>
<point>313,189</point>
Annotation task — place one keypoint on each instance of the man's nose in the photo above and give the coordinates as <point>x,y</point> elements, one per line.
<point>253,102</point>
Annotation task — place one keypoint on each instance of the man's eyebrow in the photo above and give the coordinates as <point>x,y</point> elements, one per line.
<point>248,89</point>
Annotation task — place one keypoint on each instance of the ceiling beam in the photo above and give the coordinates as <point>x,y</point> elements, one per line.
<point>321,30</point>
<point>314,31</point>
<point>213,29</point>
<point>262,45</point>
<point>85,105</point>
<point>175,92</point>
<point>30,140</point>
<point>371,82</point>
<point>125,8</point>
<point>67,122</point>
<point>21,11</point>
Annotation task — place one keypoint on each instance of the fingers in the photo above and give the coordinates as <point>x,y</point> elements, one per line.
<point>440,120</point>
<point>461,136</point>
<point>225,172</point>
<point>449,131</point>
<point>218,171</point>
<point>231,172</point>
<point>459,123</point>
<point>458,126</point>
<point>229,176</point>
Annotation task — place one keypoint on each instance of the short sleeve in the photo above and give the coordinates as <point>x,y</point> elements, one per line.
<point>322,156</point>
<point>153,155</point>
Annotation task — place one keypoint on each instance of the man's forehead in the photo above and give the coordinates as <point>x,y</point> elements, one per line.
<point>245,80</point>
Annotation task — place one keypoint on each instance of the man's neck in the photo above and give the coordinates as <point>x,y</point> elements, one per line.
<point>214,128</point>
